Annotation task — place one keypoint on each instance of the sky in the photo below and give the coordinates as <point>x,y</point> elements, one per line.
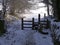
<point>38,10</point>
<point>35,9</point>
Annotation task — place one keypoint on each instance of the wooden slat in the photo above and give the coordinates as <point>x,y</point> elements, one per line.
<point>26,24</point>
<point>27,27</point>
<point>26,21</point>
<point>43,21</point>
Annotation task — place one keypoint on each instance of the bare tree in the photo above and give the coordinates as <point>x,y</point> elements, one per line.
<point>18,5</point>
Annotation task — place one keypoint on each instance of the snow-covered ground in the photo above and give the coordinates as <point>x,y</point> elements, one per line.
<point>16,36</point>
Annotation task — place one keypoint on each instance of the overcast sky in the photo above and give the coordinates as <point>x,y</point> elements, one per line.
<point>35,9</point>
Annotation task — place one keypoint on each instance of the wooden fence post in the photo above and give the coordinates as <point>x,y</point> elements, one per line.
<point>22,24</point>
<point>48,24</point>
<point>32,23</point>
<point>44,16</point>
<point>38,19</point>
<point>39,24</point>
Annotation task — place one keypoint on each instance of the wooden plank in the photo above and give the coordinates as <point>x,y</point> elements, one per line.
<point>26,21</point>
<point>43,21</point>
<point>26,24</point>
<point>27,27</point>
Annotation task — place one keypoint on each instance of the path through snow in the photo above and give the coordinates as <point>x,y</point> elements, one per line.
<point>16,36</point>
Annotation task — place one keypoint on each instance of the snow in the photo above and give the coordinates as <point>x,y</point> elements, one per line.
<point>43,39</point>
<point>16,36</point>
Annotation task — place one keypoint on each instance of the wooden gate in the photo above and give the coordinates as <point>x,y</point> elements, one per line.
<point>28,21</point>
<point>35,25</point>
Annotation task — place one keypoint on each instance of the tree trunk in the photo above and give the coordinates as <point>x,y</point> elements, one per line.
<point>56,9</point>
<point>2,20</point>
